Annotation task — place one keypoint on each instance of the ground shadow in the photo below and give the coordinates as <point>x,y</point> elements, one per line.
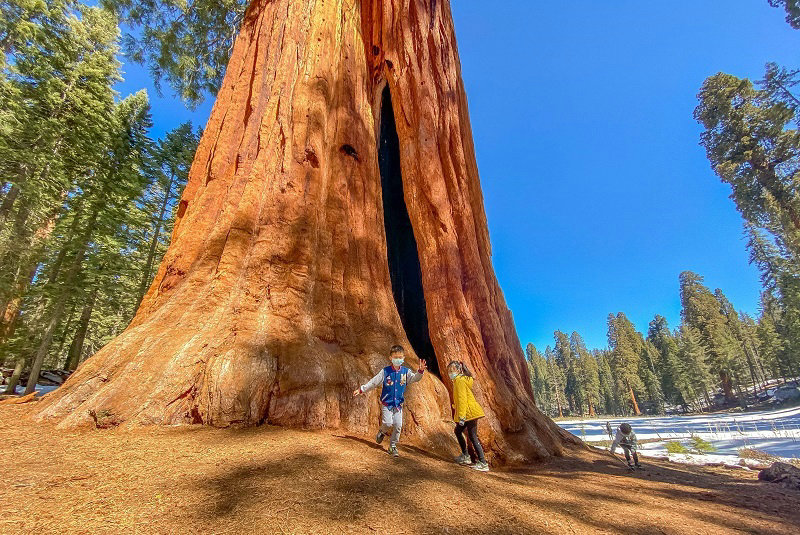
<point>350,484</point>
<point>371,443</point>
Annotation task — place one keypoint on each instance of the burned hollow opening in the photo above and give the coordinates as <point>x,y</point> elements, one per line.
<point>404,266</point>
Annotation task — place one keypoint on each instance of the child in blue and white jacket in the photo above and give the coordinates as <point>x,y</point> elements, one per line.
<point>395,379</point>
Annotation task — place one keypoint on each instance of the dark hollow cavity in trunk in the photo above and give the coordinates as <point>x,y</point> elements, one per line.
<point>404,267</point>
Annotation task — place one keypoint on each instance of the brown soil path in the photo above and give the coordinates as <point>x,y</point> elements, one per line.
<point>272,480</point>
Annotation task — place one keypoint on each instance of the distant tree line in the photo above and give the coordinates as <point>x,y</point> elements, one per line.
<point>87,198</point>
<point>752,141</point>
<point>714,349</point>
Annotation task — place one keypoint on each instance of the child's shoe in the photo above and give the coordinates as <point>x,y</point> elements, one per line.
<point>379,437</point>
<point>393,451</point>
<point>630,467</point>
<point>463,459</point>
<point>481,466</point>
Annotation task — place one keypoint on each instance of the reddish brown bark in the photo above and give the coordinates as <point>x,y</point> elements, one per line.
<point>274,300</point>
<point>727,386</point>
<point>636,410</point>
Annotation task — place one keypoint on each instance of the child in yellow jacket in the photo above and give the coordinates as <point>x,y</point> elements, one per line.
<point>466,415</point>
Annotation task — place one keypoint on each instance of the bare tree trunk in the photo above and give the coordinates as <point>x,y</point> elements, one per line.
<point>8,202</point>
<point>66,331</point>
<point>76,348</point>
<point>741,395</point>
<point>276,298</point>
<point>59,304</point>
<point>55,269</point>
<point>763,375</point>
<point>636,410</point>
<point>27,267</point>
<point>752,363</point>
<point>19,235</point>
<point>151,254</point>
<point>13,381</point>
<point>44,347</point>
<point>11,310</point>
<point>727,387</point>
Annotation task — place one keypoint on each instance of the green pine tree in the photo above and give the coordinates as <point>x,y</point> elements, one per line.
<point>625,359</point>
<point>668,371</point>
<point>694,379</point>
<point>587,374</point>
<point>540,380</point>
<point>702,311</point>
<point>556,377</point>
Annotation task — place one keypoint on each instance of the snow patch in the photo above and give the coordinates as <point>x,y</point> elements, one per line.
<point>42,389</point>
<point>775,432</point>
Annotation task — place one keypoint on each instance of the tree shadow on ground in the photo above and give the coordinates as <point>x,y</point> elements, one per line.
<point>355,486</point>
<point>676,485</point>
<point>370,443</point>
<point>402,447</point>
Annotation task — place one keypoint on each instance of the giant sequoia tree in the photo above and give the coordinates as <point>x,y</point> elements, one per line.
<point>333,208</point>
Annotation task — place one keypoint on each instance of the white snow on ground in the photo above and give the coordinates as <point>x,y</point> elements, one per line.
<point>42,389</point>
<point>775,432</point>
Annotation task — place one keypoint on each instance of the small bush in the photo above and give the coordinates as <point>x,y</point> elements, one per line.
<point>702,446</point>
<point>764,457</point>
<point>673,446</point>
<point>757,455</point>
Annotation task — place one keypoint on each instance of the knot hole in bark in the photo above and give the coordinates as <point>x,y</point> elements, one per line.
<point>349,151</point>
<point>311,158</point>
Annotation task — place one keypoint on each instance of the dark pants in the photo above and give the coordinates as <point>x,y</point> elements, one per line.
<point>472,429</point>
<point>628,451</point>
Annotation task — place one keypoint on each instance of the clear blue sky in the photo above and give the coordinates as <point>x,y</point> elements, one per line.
<point>596,190</point>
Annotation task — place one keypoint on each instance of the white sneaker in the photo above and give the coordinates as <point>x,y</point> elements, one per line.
<point>481,466</point>
<point>463,459</point>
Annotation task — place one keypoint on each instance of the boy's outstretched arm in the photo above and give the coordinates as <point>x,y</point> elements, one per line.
<point>371,384</point>
<point>416,376</point>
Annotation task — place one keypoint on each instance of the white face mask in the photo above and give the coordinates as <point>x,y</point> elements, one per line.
<point>397,362</point>
<point>453,375</point>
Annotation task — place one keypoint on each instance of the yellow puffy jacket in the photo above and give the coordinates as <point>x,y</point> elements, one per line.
<point>466,408</point>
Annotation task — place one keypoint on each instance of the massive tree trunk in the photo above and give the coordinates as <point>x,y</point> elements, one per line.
<point>284,285</point>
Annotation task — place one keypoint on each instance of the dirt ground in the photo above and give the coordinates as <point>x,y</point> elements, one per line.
<point>272,480</point>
